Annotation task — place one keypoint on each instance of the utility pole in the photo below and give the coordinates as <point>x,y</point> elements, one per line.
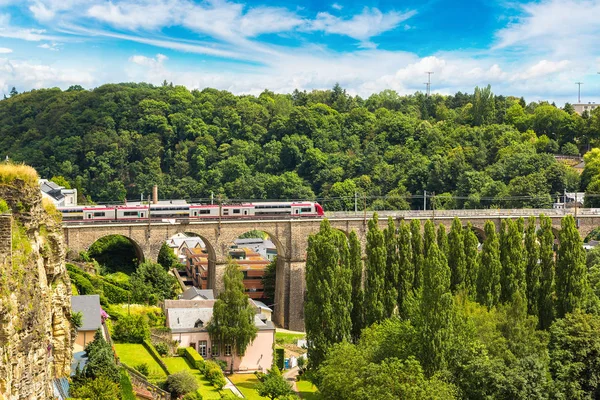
<point>579,92</point>
<point>428,84</point>
<point>355,202</point>
<point>424,199</point>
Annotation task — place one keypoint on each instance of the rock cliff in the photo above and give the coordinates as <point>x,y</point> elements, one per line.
<point>35,304</point>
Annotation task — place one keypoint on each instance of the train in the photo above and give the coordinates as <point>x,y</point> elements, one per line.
<point>180,209</point>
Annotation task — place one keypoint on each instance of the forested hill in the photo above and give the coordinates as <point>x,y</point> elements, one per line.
<point>477,150</point>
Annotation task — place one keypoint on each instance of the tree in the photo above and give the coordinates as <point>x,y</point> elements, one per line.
<point>483,111</point>
<point>406,272</point>
<point>327,306</point>
<point>512,278</point>
<point>101,388</point>
<point>571,273</point>
<point>547,267</point>
<point>101,360</point>
<point>532,267</point>
<point>471,244</point>
<point>442,240</point>
<point>416,241</point>
<point>436,310</point>
<point>358,294</point>
<point>151,283</point>
<point>13,92</point>
<point>232,321</point>
<point>131,329</point>
<point>428,237</point>
<point>375,273</point>
<point>274,386</point>
<point>268,281</point>
<point>488,279</point>
<point>390,296</point>
<point>456,256</point>
<point>181,383</point>
<point>167,258</point>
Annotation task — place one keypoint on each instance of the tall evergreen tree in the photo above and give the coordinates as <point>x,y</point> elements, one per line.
<point>471,244</point>
<point>406,271</point>
<point>375,273</point>
<point>233,316</point>
<point>428,237</point>
<point>571,272</point>
<point>488,279</point>
<point>436,310</point>
<point>328,302</point>
<point>358,295</point>
<point>390,297</point>
<point>416,241</point>
<point>532,267</point>
<point>513,261</point>
<point>456,256</point>
<point>442,240</point>
<point>547,267</point>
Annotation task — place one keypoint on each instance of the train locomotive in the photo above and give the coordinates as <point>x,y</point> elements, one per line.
<point>180,209</point>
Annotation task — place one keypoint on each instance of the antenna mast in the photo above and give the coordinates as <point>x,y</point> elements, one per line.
<point>579,91</point>
<point>428,84</point>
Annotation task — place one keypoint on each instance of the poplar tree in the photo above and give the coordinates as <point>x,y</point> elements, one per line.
<point>471,244</point>
<point>488,279</point>
<point>513,261</point>
<point>436,310</point>
<point>358,294</point>
<point>375,273</point>
<point>406,271</point>
<point>456,256</point>
<point>390,297</point>
<point>416,241</point>
<point>442,240</point>
<point>328,302</point>
<point>532,267</point>
<point>428,237</point>
<point>547,267</point>
<point>571,272</point>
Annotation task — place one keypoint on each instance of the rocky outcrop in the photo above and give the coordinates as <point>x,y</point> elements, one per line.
<point>35,304</point>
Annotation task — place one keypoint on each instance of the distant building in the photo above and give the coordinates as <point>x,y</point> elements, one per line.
<point>262,308</point>
<point>60,196</point>
<point>179,243</point>
<point>92,319</point>
<point>265,247</point>
<point>194,293</point>
<point>568,200</point>
<point>589,107</point>
<point>188,319</point>
<point>196,263</point>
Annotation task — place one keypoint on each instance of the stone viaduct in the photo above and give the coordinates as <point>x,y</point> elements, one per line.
<point>291,238</point>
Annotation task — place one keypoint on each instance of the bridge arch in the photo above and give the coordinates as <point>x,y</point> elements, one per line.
<point>139,252</point>
<point>212,256</point>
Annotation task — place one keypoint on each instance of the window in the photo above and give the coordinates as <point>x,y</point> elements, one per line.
<point>202,348</point>
<point>204,211</point>
<point>215,349</point>
<point>236,210</point>
<point>306,210</point>
<point>130,213</point>
<point>227,350</point>
<point>99,214</point>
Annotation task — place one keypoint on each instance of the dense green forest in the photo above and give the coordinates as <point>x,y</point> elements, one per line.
<point>430,317</point>
<point>472,150</point>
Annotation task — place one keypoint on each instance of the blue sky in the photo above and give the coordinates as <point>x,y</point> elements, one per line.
<point>535,49</point>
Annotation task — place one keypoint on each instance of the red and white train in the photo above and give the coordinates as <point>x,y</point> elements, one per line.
<point>180,209</point>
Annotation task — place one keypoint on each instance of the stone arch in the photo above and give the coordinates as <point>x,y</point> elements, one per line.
<point>139,252</point>
<point>212,257</point>
<point>480,233</point>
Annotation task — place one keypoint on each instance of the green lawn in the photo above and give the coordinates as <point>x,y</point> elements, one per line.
<point>134,354</point>
<point>288,338</point>
<point>308,391</point>
<point>176,364</point>
<point>246,384</point>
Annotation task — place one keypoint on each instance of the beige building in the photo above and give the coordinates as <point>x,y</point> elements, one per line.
<point>89,307</point>
<point>589,107</point>
<point>188,320</point>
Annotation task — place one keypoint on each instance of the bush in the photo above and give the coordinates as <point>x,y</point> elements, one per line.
<point>214,374</point>
<point>181,351</point>
<point>131,329</point>
<point>100,388</point>
<point>162,348</point>
<point>260,376</point>
<point>142,369</point>
<point>193,396</point>
<point>221,363</point>
<point>126,386</point>
<point>280,355</point>
<point>181,383</point>
<point>194,358</point>
<point>155,355</point>
<point>4,208</point>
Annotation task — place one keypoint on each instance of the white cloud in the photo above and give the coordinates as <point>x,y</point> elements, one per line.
<point>138,14</point>
<point>5,50</point>
<point>371,22</point>
<point>12,32</point>
<point>337,6</point>
<point>46,10</point>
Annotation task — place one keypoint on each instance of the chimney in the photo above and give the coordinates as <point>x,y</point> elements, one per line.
<point>155,194</point>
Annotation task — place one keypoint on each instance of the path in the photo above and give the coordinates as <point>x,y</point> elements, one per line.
<point>290,376</point>
<point>233,388</point>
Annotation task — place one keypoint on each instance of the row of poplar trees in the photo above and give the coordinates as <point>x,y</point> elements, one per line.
<point>406,270</point>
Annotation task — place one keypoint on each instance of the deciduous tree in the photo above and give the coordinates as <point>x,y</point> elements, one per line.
<point>488,278</point>
<point>456,256</point>
<point>571,273</point>
<point>375,273</point>
<point>390,297</point>
<point>546,304</point>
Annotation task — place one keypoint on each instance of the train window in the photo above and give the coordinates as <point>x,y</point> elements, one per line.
<point>130,213</point>
<point>297,211</point>
<point>141,215</point>
<point>204,211</point>
<point>226,211</point>
<point>245,212</point>
<point>306,210</point>
<point>99,214</point>
<point>236,211</point>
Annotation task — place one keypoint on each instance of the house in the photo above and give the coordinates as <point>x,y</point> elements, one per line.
<point>60,196</point>
<point>92,319</point>
<point>194,293</point>
<point>180,243</point>
<point>580,108</point>
<point>196,263</point>
<point>263,309</point>
<point>569,200</point>
<point>265,247</point>
<point>188,319</point>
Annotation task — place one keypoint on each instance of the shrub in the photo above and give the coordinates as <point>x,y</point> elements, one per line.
<point>214,374</point>
<point>193,396</point>
<point>4,208</point>
<point>155,355</point>
<point>100,388</point>
<point>181,383</point>
<point>76,319</point>
<point>260,376</point>
<point>280,355</point>
<point>181,351</point>
<point>194,358</point>
<point>221,363</point>
<point>131,329</point>
<point>142,369</point>
<point>126,386</point>
<point>162,348</point>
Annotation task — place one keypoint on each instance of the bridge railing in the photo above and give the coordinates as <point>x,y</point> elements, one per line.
<point>482,213</point>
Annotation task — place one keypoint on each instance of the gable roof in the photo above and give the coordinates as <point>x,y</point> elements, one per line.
<point>196,319</point>
<point>193,293</point>
<point>89,307</point>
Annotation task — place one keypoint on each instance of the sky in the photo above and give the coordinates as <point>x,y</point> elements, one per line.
<point>534,49</point>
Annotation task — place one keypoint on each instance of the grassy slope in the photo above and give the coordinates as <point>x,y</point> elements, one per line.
<point>134,354</point>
